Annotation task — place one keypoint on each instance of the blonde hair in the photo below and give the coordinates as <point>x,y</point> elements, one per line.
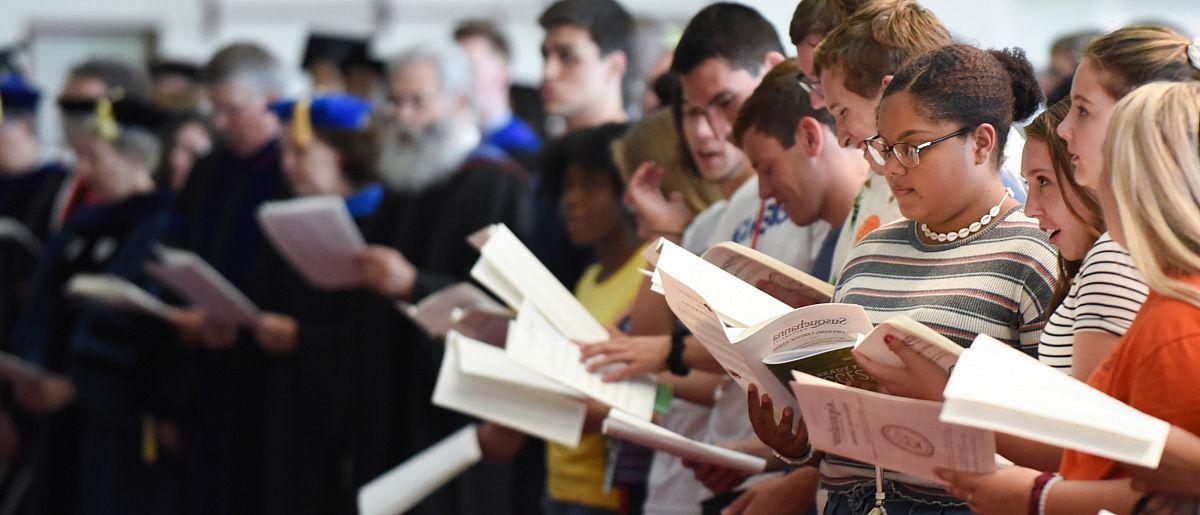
<point>1153,151</point>
<point>654,138</point>
<point>1138,55</point>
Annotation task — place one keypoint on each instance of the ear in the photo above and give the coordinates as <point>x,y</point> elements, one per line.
<point>770,59</point>
<point>618,62</point>
<point>887,79</point>
<point>984,137</point>
<point>811,133</point>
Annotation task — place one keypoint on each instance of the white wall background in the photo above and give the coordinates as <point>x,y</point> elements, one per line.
<point>191,29</point>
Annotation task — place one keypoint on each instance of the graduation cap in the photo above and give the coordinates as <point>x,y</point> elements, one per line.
<point>114,112</point>
<point>334,111</point>
<point>162,67</point>
<point>339,49</point>
<point>17,95</point>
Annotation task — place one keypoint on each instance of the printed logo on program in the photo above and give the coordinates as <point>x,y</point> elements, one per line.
<point>908,440</point>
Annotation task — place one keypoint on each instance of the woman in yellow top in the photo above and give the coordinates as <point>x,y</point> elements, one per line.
<point>595,216</point>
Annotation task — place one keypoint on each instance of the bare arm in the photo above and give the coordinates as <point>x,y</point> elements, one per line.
<point>1090,348</point>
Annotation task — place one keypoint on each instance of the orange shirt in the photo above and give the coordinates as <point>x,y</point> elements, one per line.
<point>1156,369</point>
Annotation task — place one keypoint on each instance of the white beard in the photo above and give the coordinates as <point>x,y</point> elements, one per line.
<point>411,162</point>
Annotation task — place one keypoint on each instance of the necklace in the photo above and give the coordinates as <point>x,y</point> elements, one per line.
<point>969,230</point>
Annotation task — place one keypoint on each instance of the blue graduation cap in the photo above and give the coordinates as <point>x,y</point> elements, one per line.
<point>17,95</point>
<point>335,111</point>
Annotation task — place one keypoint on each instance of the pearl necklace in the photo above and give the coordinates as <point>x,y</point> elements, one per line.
<point>969,230</point>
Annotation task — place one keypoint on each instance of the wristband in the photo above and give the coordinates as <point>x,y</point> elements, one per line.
<point>797,462</point>
<point>1041,491</point>
<point>675,358</point>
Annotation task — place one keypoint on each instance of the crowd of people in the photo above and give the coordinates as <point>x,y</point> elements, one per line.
<point>1057,212</point>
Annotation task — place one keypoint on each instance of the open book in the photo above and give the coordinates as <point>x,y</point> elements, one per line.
<point>536,344</point>
<point>623,426</point>
<point>769,274</point>
<point>918,336</point>
<point>439,311</point>
<point>318,237</point>
<point>403,487</point>
<point>741,351</point>
<point>1000,388</point>
<point>833,362</point>
<point>118,293</point>
<point>201,286</point>
<point>508,269</point>
<point>736,302</point>
<point>480,380</point>
<point>895,433</point>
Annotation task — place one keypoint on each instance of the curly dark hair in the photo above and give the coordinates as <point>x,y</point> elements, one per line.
<point>971,87</point>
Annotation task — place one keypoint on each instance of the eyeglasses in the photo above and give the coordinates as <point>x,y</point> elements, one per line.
<point>908,155</point>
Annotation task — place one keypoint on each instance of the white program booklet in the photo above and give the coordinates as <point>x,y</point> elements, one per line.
<point>538,345</point>
<point>737,302</point>
<point>318,237</point>
<point>741,351</point>
<point>118,293</point>
<point>403,487</point>
<point>621,425</point>
<point>480,380</point>
<point>201,286</point>
<point>895,433</point>
<point>513,273</point>
<point>436,312</point>
<point>996,387</point>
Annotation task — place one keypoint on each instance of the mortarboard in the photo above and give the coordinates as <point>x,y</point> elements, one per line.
<point>339,49</point>
<point>183,69</point>
<point>17,95</point>
<point>335,111</point>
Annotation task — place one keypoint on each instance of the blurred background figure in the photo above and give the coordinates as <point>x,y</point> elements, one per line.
<point>175,85</point>
<point>1065,54</point>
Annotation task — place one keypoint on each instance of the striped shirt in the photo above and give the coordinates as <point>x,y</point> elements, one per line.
<point>1105,297</point>
<point>996,282</point>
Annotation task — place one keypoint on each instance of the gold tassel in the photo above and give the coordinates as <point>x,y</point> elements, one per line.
<point>106,123</point>
<point>302,129</point>
<point>149,440</point>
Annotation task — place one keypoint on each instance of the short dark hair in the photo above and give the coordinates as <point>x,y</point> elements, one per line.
<point>589,149</point>
<point>609,25</point>
<point>734,32</point>
<point>358,152</point>
<point>969,86</point>
<point>777,106</point>
<point>820,16</point>
<point>486,30</point>
<point>132,81</point>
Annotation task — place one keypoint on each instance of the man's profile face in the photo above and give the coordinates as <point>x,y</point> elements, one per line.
<point>574,73</point>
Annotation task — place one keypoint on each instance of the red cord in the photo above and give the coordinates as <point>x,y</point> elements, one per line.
<point>762,204</point>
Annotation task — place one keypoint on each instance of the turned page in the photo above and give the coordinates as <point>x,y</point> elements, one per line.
<point>779,279</point>
<point>738,303</point>
<point>202,287</point>
<point>625,427</point>
<point>403,487</point>
<point>318,237</point>
<point>1000,388</point>
<point>117,293</point>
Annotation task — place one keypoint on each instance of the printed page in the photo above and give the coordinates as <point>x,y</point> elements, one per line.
<point>202,287</point>
<point>696,313</point>
<point>538,345</point>
<point>1000,388</point>
<point>489,274</point>
<point>506,393</point>
<point>435,312</point>
<point>738,303</point>
<point>779,279</point>
<point>925,341</point>
<point>117,293</point>
<point>318,237</point>
<point>641,432</point>
<point>896,433</point>
<point>509,258</point>
<point>408,484</point>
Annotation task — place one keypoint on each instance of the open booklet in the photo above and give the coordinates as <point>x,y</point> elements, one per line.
<point>623,426</point>
<point>741,352</point>
<point>736,302</point>
<point>401,488</point>
<point>201,286</point>
<point>918,336</point>
<point>318,237</point>
<point>510,270</point>
<point>440,311</point>
<point>536,344</point>
<point>1002,389</point>
<point>769,274</point>
<point>478,379</point>
<point>117,293</point>
<point>896,433</point>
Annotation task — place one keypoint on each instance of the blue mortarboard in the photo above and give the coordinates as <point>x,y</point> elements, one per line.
<point>18,95</point>
<point>339,111</point>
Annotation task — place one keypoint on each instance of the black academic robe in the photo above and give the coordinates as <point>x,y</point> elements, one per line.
<point>225,434</point>
<point>28,199</point>
<point>98,454</point>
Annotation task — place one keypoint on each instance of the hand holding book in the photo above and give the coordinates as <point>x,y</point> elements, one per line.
<point>777,435</point>
<point>918,378</point>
